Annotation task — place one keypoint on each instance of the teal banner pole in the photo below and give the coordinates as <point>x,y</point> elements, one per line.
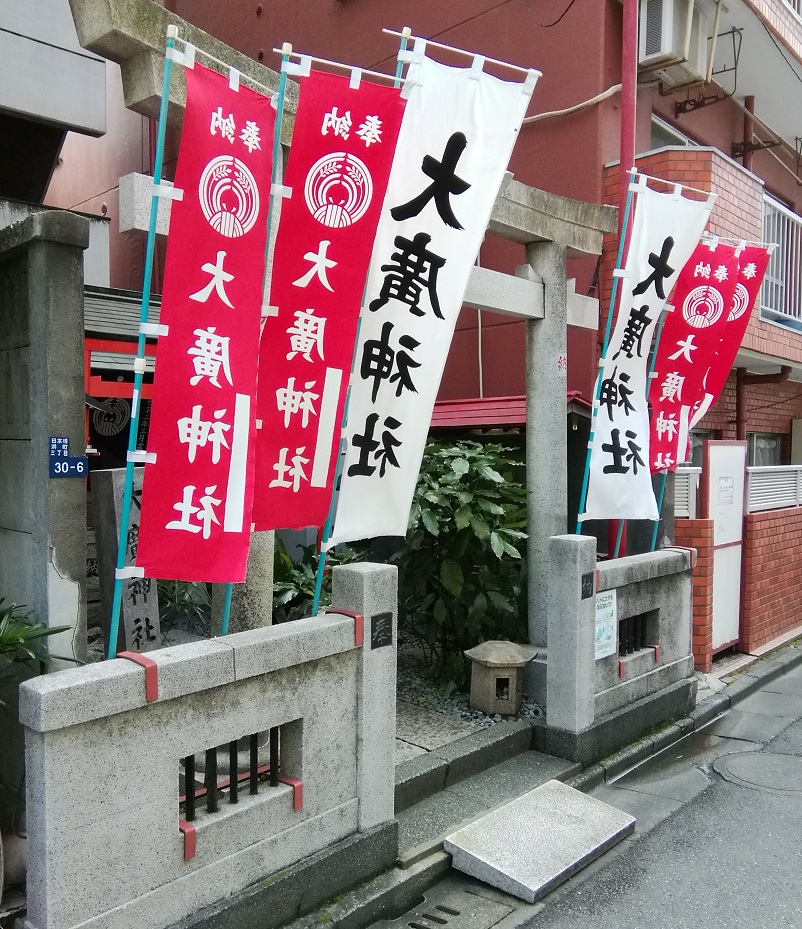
<point>282,85</point>
<point>125,511</point>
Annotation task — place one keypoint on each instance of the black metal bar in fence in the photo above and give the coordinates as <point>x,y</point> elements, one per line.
<point>211,780</point>
<point>232,764</point>
<point>274,756</point>
<point>254,764</point>
<point>189,788</point>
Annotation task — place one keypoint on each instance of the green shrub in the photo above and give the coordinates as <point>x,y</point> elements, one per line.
<point>294,581</point>
<point>462,571</point>
<point>22,639</point>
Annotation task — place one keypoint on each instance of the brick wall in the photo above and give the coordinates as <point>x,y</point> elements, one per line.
<point>698,534</point>
<point>772,556</point>
<point>782,21</point>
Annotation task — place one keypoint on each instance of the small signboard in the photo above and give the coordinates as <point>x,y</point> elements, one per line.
<point>60,464</point>
<point>606,624</point>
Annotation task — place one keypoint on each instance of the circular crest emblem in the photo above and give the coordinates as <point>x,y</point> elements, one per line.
<point>702,307</point>
<point>228,196</point>
<point>338,189</point>
<point>739,303</point>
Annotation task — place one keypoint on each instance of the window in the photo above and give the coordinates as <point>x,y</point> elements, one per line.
<point>763,449</point>
<point>698,436</point>
<point>663,134</point>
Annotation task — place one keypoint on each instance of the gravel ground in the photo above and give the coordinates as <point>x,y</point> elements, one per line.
<point>416,686</point>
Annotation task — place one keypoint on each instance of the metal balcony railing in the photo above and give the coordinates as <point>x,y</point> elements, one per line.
<point>781,294</point>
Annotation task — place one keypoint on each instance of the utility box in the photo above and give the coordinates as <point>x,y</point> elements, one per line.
<point>497,672</point>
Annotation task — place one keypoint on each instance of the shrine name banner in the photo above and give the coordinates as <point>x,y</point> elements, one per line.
<point>458,133</point>
<point>665,230</point>
<point>197,495</point>
<point>343,142</point>
<point>702,299</point>
<point>753,261</point>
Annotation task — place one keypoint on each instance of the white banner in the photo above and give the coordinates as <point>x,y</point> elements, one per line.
<point>665,230</point>
<point>456,139</point>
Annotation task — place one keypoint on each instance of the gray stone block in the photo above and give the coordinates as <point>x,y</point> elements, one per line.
<point>589,778</point>
<point>187,669</point>
<point>627,758</point>
<point>251,602</point>
<point>82,694</point>
<point>260,651</point>
<point>709,709</point>
<point>475,753</point>
<point>419,778</point>
<point>533,844</point>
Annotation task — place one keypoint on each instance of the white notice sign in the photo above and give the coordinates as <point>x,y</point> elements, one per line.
<point>606,624</point>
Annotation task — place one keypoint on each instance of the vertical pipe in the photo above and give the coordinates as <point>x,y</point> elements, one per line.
<point>125,508</point>
<point>274,756</point>
<point>232,771</point>
<point>253,767</point>
<point>749,128</point>
<point>211,780</point>
<point>629,75</point>
<point>189,788</point>
<point>740,404</point>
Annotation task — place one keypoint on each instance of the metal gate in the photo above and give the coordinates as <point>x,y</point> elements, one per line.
<point>722,499</point>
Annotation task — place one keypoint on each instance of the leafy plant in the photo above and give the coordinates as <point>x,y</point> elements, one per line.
<point>22,638</point>
<point>462,570</point>
<point>186,604</point>
<point>294,581</point>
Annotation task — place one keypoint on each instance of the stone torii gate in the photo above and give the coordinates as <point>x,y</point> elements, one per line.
<point>551,228</point>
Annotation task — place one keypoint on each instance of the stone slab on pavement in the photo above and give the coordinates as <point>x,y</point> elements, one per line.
<point>536,842</point>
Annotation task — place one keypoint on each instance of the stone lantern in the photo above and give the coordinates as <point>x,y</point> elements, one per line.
<point>497,671</point>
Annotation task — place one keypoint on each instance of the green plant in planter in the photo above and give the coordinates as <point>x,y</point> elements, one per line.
<point>462,571</point>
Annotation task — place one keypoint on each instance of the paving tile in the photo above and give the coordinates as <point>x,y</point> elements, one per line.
<point>428,729</point>
<point>785,705</point>
<point>788,683</point>
<point>788,742</point>
<point>663,780</point>
<point>649,810</point>
<point>752,727</point>
<point>404,751</point>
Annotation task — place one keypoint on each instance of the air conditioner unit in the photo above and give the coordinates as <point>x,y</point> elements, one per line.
<point>673,41</point>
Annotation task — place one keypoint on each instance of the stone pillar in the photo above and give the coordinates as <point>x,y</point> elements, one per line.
<point>251,602</point>
<point>571,668</point>
<point>43,520</point>
<point>546,439</point>
<point>372,590</point>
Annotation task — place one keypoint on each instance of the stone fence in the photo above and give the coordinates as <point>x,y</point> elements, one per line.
<point>107,750</point>
<point>619,659</point>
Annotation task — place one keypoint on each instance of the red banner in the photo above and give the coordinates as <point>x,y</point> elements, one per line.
<point>342,149</point>
<point>197,495</point>
<point>702,297</point>
<point>754,260</point>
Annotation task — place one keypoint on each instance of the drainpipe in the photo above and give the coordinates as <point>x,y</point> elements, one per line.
<point>629,78</point>
<point>749,128</point>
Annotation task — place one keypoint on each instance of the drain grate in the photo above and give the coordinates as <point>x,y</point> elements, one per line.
<point>449,908</point>
<point>779,774</point>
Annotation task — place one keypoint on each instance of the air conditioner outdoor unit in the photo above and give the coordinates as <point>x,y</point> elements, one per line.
<point>673,41</point>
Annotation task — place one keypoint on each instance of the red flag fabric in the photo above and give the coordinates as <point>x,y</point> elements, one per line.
<point>754,260</point>
<point>197,495</point>
<point>702,298</point>
<point>343,144</point>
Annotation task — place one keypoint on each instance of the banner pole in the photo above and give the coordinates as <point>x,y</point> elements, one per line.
<point>282,85</point>
<point>321,563</point>
<point>659,510</point>
<point>125,510</point>
<point>608,327</point>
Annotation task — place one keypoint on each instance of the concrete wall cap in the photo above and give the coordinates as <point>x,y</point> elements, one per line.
<point>636,568</point>
<point>58,226</point>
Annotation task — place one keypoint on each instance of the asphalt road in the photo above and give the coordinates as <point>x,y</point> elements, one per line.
<point>718,841</point>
